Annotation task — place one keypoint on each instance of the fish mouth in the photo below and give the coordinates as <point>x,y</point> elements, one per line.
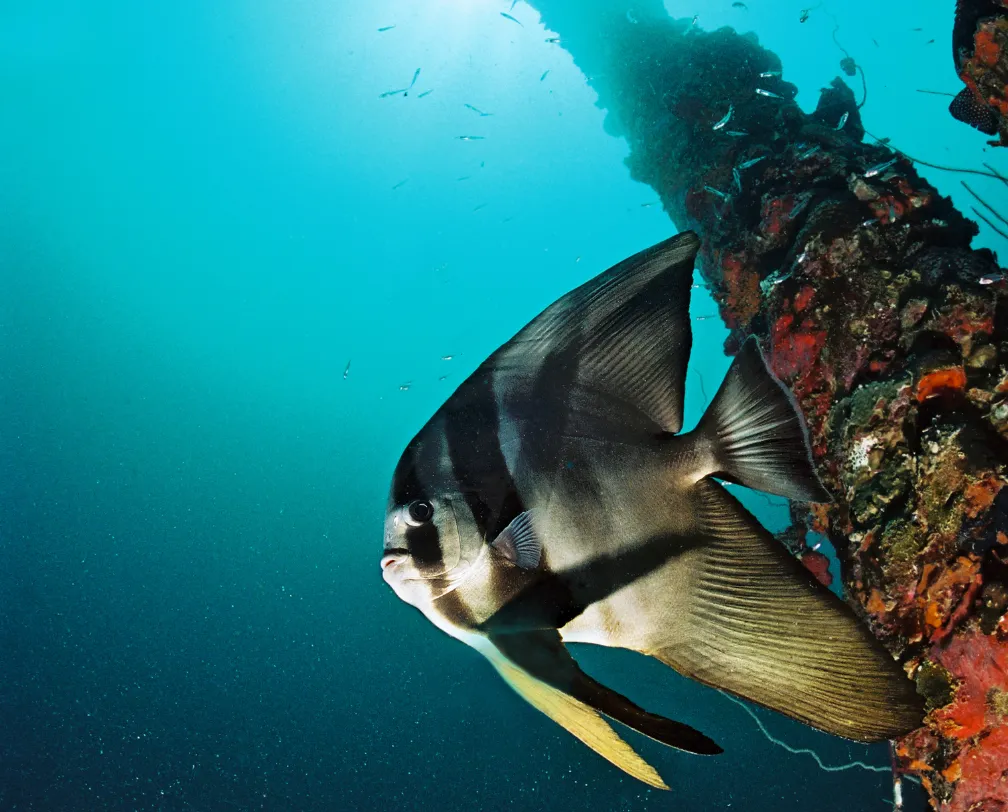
<point>392,557</point>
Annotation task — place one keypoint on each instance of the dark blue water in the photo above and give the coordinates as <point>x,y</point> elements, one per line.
<point>199,230</point>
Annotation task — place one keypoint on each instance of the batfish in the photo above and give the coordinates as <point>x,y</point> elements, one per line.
<point>554,499</point>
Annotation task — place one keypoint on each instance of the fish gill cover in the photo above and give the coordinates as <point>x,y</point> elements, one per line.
<point>249,249</point>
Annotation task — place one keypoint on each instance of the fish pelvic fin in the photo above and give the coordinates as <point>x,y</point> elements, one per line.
<point>761,627</point>
<point>576,717</point>
<point>756,435</point>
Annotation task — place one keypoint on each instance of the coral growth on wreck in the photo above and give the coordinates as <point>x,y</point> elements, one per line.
<point>859,281</point>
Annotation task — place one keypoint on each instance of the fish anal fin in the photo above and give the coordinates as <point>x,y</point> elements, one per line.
<point>576,718</point>
<point>761,627</point>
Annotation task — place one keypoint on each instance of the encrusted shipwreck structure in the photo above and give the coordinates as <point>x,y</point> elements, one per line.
<point>859,281</point>
<point>980,49</point>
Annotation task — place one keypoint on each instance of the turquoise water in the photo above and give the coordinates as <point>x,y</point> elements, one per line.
<point>208,212</point>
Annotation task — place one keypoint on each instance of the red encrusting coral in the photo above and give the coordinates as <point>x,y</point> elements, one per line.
<point>818,565</point>
<point>940,381</point>
<point>979,663</point>
<point>742,291</point>
<point>795,350</point>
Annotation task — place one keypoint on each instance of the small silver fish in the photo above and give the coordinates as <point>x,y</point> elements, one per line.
<point>425,93</point>
<point>809,152</point>
<point>553,40</point>
<point>545,74</point>
<point>388,93</point>
<point>769,94</point>
<point>738,178</point>
<point>507,16</point>
<point>726,119</point>
<point>416,75</point>
<point>773,280</point>
<point>470,137</point>
<point>800,205</point>
<point>403,387</point>
<point>991,279</point>
<point>447,357</point>
<point>737,133</point>
<point>346,371</point>
<point>843,120</point>
<point>716,192</point>
<point>400,183</point>
<point>770,74</point>
<point>751,162</point>
<point>878,169</point>
<point>386,28</point>
<point>476,110</point>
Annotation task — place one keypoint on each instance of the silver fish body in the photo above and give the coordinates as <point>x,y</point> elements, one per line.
<point>879,168</point>
<point>727,117</point>
<point>552,499</point>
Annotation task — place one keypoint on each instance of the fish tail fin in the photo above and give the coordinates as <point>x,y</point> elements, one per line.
<point>756,435</point>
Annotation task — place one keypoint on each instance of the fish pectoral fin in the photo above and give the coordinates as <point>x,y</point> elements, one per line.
<point>518,542</point>
<point>760,626</point>
<point>611,355</point>
<point>542,671</point>
<point>757,434</point>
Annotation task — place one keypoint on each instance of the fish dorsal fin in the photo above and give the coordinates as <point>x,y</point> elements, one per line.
<point>518,542</point>
<point>607,360</point>
<point>759,625</point>
<point>576,718</point>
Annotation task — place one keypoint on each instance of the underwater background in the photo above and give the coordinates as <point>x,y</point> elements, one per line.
<point>235,282</point>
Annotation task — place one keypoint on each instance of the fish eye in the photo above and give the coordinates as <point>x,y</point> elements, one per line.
<point>419,512</point>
